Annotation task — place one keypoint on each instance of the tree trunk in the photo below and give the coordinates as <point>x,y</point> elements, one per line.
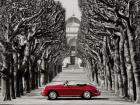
<point>118,77</point>
<point>136,66</point>
<point>93,75</point>
<point>104,62</point>
<point>18,84</point>
<point>36,76</point>
<point>53,70</point>
<point>122,66</point>
<point>96,74</point>
<point>8,93</point>
<point>46,73</point>
<point>8,85</point>
<point>92,70</point>
<point>33,76</point>
<point>13,80</point>
<point>27,81</point>
<point>109,77</point>
<point>129,71</point>
<point>39,79</point>
<point>106,80</point>
<point>21,85</point>
<point>3,87</point>
<point>60,68</point>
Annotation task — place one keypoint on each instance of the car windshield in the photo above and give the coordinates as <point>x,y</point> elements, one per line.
<point>93,83</point>
<point>55,83</point>
<point>72,83</point>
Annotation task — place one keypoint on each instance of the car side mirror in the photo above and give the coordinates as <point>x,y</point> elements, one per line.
<point>65,84</point>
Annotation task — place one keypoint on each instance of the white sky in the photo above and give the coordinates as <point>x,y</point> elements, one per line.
<point>71,6</point>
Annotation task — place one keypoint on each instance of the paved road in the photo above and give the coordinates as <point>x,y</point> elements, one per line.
<point>34,98</point>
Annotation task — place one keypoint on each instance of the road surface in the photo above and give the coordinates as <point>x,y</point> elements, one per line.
<point>34,98</point>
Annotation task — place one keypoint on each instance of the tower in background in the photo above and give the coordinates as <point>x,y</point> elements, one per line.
<point>72,28</point>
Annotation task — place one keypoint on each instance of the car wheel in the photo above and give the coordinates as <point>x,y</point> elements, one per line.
<point>86,95</point>
<point>52,95</point>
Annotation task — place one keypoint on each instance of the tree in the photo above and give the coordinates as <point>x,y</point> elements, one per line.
<point>117,23</point>
<point>27,28</point>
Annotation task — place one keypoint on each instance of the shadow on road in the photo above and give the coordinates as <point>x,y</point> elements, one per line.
<point>73,98</point>
<point>100,98</point>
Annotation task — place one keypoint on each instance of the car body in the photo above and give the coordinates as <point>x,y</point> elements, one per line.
<point>70,88</point>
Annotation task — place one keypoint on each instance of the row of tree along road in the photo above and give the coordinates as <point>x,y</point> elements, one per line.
<point>109,39</point>
<point>32,44</point>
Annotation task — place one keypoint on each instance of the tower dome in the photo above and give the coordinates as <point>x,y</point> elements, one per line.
<point>73,19</point>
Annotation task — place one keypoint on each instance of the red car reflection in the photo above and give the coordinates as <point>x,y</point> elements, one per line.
<point>85,90</point>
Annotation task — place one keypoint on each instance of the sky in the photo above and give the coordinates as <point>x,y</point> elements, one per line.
<point>71,7</point>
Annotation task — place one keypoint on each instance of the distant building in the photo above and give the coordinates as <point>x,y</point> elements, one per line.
<point>72,28</point>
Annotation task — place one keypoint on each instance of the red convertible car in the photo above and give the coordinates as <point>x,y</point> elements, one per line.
<point>70,88</point>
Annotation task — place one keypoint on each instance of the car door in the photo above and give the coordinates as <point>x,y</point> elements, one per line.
<point>74,90</point>
<point>63,90</point>
<point>71,89</point>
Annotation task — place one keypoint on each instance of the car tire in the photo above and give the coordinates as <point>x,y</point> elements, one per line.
<point>52,95</point>
<point>87,95</point>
